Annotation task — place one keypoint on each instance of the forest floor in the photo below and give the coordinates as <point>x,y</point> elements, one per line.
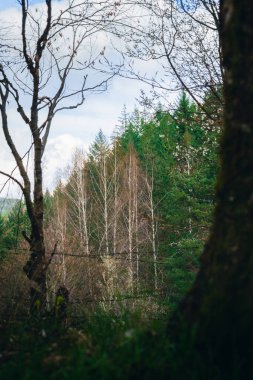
<point>99,348</point>
<point>103,347</point>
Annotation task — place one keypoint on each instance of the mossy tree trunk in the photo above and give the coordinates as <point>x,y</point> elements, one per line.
<point>219,307</point>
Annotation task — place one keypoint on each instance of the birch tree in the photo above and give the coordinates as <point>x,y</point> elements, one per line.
<point>101,184</point>
<point>77,192</point>
<point>151,210</point>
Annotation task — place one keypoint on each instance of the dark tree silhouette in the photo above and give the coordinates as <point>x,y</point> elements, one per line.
<point>219,307</point>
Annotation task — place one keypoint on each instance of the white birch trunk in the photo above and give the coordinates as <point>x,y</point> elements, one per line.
<point>150,187</point>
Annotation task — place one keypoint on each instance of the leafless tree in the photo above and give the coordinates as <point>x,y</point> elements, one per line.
<point>46,66</point>
<point>151,209</point>
<point>79,201</point>
<point>102,188</point>
<point>183,38</point>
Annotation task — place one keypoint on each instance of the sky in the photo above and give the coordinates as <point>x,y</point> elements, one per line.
<point>72,129</point>
<point>5,4</point>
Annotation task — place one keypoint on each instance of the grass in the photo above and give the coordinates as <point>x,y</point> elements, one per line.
<point>101,347</point>
<point>104,347</point>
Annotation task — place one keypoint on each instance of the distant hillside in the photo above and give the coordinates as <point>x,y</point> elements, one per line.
<point>6,204</point>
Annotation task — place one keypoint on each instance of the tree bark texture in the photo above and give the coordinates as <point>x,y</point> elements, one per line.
<point>219,307</point>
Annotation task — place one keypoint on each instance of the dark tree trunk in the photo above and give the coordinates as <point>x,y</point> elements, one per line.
<point>219,307</point>
<point>35,270</point>
<point>36,266</point>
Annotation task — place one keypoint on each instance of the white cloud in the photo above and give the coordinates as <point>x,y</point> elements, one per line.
<point>58,156</point>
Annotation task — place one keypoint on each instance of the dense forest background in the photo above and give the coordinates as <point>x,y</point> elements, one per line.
<point>129,218</point>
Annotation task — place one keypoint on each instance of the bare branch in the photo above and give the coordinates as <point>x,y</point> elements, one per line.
<point>15,95</point>
<point>13,179</point>
<point>9,140</point>
<point>28,59</point>
<point>199,21</point>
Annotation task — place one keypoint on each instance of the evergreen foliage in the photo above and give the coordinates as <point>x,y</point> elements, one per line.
<point>11,226</point>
